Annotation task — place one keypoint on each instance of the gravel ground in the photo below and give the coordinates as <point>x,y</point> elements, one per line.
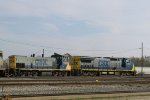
<point>71,89</point>
<point>115,96</point>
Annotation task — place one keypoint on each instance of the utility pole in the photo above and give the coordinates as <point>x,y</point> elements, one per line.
<point>142,60</point>
<point>43,53</point>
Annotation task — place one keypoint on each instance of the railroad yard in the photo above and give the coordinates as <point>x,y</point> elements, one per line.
<point>57,86</point>
<point>74,50</point>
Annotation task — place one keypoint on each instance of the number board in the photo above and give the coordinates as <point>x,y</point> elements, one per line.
<point>75,62</point>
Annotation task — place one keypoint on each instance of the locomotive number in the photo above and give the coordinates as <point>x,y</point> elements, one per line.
<point>41,62</point>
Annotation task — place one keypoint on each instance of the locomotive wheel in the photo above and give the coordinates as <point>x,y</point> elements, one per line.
<point>39,73</point>
<point>92,73</point>
<point>63,73</point>
<point>51,73</point>
<point>34,73</point>
<point>85,73</point>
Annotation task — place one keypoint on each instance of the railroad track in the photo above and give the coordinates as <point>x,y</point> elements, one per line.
<point>73,85</point>
<point>77,81</point>
<point>75,78</point>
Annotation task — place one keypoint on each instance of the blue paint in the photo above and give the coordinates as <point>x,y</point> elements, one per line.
<point>63,66</point>
<point>103,64</point>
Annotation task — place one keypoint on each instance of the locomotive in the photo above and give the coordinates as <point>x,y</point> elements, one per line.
<point>66,65</point>
<point>100,65</point>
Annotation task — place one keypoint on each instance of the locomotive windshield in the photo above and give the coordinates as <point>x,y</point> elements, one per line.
<point>123,62</point>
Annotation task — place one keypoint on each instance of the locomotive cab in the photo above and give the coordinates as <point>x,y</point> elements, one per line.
<point>123,63</point>
<point>127,64</point>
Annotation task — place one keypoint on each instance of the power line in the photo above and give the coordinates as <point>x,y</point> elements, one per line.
<point>29,44</point>
<point>121,51</point>
<point>33,45</point>
<point>66,49</point>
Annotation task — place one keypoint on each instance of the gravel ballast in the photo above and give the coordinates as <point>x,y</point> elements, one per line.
<point>34,90</point>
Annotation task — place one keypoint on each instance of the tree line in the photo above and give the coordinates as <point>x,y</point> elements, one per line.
<point>137,61</point>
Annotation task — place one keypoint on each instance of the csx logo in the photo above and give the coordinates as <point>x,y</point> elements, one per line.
<point>39,62</point>
<point>103,63</point>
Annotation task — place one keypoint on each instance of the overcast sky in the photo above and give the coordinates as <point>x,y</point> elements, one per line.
<point>79,27</point>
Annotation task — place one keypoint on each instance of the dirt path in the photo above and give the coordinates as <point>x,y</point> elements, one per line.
<point>117,96</point>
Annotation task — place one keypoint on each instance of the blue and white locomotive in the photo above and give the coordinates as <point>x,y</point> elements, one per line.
<point>106,64</point>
